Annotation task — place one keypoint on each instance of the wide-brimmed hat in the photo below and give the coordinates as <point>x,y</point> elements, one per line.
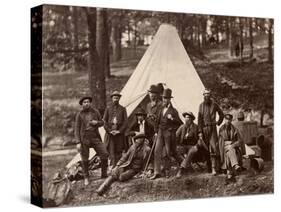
<point>140,111</point>
<point>190,114</point>
<point>85,97</point>
<point>115,93</point>
<point>153,89</point>
<point>207,92</point>
<point>141,135</point>
<point>228,116</point>
<point>167,93</point>
<point>160,87</point>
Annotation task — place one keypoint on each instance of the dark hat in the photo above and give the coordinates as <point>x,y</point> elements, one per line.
<point>140,111</point>
<point>141,135</point>
<point>228,116</point>
<point>160,87</point>
<point>115,93</point>
<point>153,89</point>
<point>85,97</point>
<point>167,93</point>
<point>190,114</point>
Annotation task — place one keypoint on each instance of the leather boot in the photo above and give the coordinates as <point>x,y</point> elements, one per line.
<point>104,168</point>
<point>105,185</point>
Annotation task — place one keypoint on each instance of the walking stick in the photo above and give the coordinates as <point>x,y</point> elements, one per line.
<point>151,152</point>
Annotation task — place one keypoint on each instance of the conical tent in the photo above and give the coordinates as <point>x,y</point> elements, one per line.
<point>165,61</point>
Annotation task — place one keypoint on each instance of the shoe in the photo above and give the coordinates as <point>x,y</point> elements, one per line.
<point>237,168</point>
<point>180,173</point>
<point>155,176</point>
<point>214,173</point>
<point>86,181</point>
<point>167,173</point>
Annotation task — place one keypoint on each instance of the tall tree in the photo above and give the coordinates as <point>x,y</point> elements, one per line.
<point>241,42</point>
<point>76,37</point>
<point>270,40</point>
<point>116,36</point>
<point>251,37</point>
<point>96,73</point>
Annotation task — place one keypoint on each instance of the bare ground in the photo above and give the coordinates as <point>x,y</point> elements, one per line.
<point>196,184</point>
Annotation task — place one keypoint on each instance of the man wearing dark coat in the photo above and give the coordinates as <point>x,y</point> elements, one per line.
<point>154,106</point>
<point>115,124</point>
<point>230,147</point>
<point>141,125</point>
<point>207,125</point>
<point>188,142</point>
<point>87,122</point>
<point>167,123</point>
<point>130,164</point>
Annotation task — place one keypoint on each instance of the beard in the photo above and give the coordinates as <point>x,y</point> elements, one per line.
<point>207,100</point>
<point>115,102</point>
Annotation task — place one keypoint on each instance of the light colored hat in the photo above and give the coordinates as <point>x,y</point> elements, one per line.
<point>206,91</point>
<point>115,93</point>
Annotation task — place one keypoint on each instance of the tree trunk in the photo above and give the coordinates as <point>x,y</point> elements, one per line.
<point>231,42</point>
<point>203,31</point>
<point>135,40</point>
<point>76,38</point>
<point>251,37</point>
<point>261,119</point>
<point>116,39</point>
<point>270,41</point>
<point>96,73</point>
<point>241,43</point>
<point>106,46</point>
<point>198,32</point>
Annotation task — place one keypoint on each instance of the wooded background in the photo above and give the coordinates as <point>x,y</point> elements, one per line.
<point>89,39</point>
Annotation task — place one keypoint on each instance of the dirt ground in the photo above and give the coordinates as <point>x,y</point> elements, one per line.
<point>195,184</point>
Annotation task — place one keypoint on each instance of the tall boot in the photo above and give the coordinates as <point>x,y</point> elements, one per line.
<point>105,185</point>
<point>104,168</point>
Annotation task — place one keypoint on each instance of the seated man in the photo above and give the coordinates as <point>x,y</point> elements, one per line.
<point>140,125</point>
<point>230,148</point>
<point>188,142</point>
<point>130,164</point>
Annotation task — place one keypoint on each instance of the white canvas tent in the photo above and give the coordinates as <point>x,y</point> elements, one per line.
<point>165,61</point>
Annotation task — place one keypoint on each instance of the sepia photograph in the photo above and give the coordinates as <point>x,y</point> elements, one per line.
<point>140,106</point>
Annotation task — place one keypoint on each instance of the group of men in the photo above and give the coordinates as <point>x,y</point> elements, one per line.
<point>157,138</point>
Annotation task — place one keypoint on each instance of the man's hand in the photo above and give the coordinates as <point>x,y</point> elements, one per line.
<point>115,132</point>
<point>94,122</point>
<point>78,147</point>
<point>137,133</point>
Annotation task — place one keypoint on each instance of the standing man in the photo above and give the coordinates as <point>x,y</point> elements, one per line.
<point>115,123</point>
<point>131,163</point>
<point>207,124</point>
<point>167,123</point>
<point>230,146</point>
<point>87,122</point>
<point>154,106</point>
